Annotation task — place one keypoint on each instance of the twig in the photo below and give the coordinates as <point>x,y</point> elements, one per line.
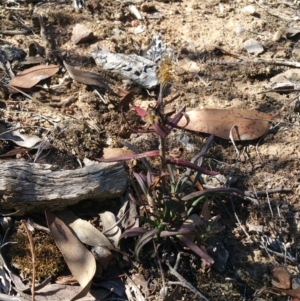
<point>232,141</point>
<point>275,14</point>
<point>270,205</point>
<point>245,60</point>
<point>14,32</point>
<point>164,289</point>
<point>268,191</point>
<point>239,222</point>
<point>32,258</point>
<point>182,281</point>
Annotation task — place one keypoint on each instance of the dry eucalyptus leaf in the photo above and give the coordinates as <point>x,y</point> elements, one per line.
<point>80,261</point>
<point>130,219</point>
<point>253,47</point>
<point>116,152</point>
<point>59,292</point>
<point>30,77</point>
<point>83,230</point>
<point>103,255</point>
<point>23,140</point>
<point>243,124</point>
<point>111,230</point>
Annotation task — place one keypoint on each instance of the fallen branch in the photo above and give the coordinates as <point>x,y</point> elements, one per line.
<point>36,187</point>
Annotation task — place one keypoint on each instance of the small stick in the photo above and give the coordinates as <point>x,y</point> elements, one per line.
<point>182,281</point>
<point>32,258</point>
<point>270,207</point>
<point>164,289</point>
<point>271,12</point>
<point>232,141</point>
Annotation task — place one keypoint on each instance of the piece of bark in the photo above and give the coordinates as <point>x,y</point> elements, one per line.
<point>39,187</point>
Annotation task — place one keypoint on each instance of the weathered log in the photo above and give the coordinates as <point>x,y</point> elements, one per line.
<point>38,187</point>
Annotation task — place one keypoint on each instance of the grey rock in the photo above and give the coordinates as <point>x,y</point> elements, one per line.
<point>134,67</point>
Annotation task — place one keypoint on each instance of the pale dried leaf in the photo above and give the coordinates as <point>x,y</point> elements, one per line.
<point>244,124</point>
<point>83,230</point>
<point>116,152</point>
<point>103,255</point>
<point>59,292</point>
<point>111,230</point>
<point>23,140</point>
<point>130,219</point>
<point>30,77</point>
<point>80,261</point>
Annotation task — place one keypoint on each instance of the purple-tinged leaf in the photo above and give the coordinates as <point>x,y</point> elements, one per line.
<point>145,238</point>
<point>141,112</point>
<point>196,249</point>
<point>150,178</point>
<point>204,149</point>
<point>152,153</point>
<point>141,182</point>
<point>133,232</point>
<point>173,122</point>
<point>180,231</point>
<point>159,130</point>
<point>190,165</point>
<point>220,190</point>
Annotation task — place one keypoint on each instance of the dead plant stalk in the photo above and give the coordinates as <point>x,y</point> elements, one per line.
<point>29,235</point>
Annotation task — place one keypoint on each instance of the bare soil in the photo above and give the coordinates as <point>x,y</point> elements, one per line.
<point>261,232</point>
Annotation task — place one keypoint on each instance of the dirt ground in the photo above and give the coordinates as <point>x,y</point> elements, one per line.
<point>261,232</point>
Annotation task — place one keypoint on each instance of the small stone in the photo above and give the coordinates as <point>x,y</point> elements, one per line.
<point>110,106</point>
<point>248,10</point>
<point>134,23</point>
<point>253,47</point>
<point>81,34</point>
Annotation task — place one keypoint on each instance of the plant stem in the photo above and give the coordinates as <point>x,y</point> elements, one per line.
<point>162,140</point>
<point>32,258</point>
